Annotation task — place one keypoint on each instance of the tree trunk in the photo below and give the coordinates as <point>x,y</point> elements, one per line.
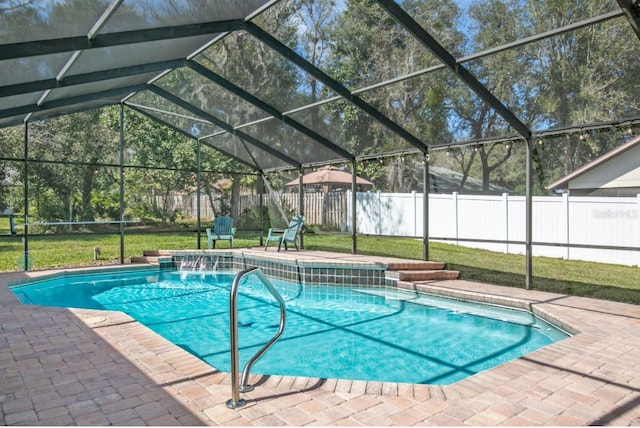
<point>486,171</point>
<point>235,198</point>
<point>208,190</point>
<point>87,186</point>
<point>68,199</point>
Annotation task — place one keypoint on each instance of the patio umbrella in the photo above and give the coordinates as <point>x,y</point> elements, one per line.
<point>330,177</point>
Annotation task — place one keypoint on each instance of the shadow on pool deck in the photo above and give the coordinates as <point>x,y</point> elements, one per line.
<point>56,370</point>
<point>84,367</point>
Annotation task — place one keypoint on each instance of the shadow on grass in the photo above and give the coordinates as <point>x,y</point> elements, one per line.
<point>570,288</point>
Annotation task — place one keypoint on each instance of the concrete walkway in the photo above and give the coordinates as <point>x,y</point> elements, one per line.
<point>86,367</point>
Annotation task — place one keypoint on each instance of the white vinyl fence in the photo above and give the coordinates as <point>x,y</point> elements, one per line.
<point>557,221</point>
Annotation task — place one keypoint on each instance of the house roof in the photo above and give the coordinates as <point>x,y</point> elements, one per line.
<point>563,183</point>
<point>445,180</point>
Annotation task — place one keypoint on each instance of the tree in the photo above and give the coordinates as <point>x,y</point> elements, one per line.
<point>587,78</point>
<point>67,153</point>
<point>11,144</point>
<point>243,60</point>
<point>370,47</point>
<point>160,162</point>
<point>570,78</point>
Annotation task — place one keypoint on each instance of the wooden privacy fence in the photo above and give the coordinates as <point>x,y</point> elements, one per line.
<point>327,209</point>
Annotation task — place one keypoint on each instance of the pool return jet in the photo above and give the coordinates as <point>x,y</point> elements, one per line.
<point>197,265</point>
<point>241,386</point>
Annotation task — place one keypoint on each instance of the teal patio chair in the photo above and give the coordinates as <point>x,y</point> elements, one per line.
<point>283,236</point>
<point>222,230</point>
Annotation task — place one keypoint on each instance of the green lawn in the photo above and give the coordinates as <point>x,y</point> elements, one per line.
<point>598,280</point>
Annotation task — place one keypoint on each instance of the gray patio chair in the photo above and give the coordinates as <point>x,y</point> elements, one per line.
<point>283,236</point>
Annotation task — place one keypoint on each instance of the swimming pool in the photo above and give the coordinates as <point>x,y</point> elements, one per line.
<point>348,332</point>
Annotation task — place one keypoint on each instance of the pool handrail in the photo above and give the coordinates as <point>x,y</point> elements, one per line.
<point>236,385</point>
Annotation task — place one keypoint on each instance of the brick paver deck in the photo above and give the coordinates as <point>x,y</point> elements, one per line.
<point>85,367</point>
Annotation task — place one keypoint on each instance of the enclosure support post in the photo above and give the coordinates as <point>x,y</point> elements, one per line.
<point>425,205</point>
<point>301,203</point>
<point>198,190</point>
<point>261,199</point>
<point>121,183</point>
<point>528,216</point>
<point>25,236</point>
<point>354,200</point>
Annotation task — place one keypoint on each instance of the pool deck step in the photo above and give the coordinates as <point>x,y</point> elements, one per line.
<point>414,265</point>
<point>422,275</point>
<point>156,253</point>
<point>146,259</point>
<point>415,271</point>
<point>151,256</point>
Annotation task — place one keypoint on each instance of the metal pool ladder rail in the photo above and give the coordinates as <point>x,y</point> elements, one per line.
<point>236,386</point>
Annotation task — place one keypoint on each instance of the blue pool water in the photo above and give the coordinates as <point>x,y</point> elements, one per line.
<point>331,331</point>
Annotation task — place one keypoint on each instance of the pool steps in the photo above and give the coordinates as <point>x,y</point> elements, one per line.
<point>410,271</point>
<point>153,257</point>
<point>419,271</point>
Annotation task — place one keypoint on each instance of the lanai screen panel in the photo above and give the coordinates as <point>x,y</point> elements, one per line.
<point>11,120</point>
<point>233,110</point>
<point>573,89</point>
<point>355,54</point>
<point>31,69</point>
<point>57,23</point>
<point>256,68</point>
<point>358,132</point>
<point>277,82</point>
<point>481,25</point>
<point>290,142</point>
<point>45,19</point>
<point>283,86</point>
<point>259,158</point>
<point>210,134</point>
<point>556,80</point>
<point>303,97</point>
<point>142,14</point>
<point>357,43</point>
<point>60,111</point>
<point>25,70</point>
<point>198,128</point>
<point>438,108</point>
<point>210,97</point>
<point>442,105</point>
<point>207,100</point>
<point>66,92</point>
<point>173,114</point>
<point>114,57</point>
<point>8,103</point>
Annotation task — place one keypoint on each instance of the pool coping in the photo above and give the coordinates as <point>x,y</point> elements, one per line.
<point>594,372</point>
